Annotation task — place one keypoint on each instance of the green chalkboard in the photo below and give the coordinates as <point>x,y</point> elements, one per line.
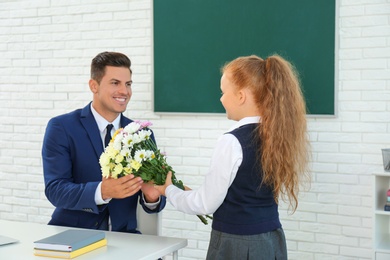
<point>194,38</point>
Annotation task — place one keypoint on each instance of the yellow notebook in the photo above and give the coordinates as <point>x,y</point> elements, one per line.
<point>73,254</point>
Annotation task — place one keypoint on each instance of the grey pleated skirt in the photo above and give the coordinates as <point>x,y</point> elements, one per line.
<point>267,246</point>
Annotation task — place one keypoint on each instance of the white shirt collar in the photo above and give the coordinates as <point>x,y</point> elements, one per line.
<point>245,121</point>
<point>102,123</point>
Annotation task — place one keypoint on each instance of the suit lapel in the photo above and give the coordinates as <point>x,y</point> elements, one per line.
<point>125,121</point>
<point>90,126</point>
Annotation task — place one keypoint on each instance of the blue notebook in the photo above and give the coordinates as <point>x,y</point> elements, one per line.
<point>70,240</point>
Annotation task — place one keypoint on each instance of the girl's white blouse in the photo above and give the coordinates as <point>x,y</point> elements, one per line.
<point>225,161</point>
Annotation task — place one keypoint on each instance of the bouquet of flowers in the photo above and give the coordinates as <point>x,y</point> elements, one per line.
<point>132,151</point>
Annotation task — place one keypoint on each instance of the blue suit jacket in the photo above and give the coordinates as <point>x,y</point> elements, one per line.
<point>71,149</point>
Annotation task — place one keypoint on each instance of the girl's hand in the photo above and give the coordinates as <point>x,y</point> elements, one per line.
<point>162,188</point>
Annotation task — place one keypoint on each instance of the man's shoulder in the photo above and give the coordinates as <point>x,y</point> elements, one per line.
<point>72,117</point>
<point>68,116</point>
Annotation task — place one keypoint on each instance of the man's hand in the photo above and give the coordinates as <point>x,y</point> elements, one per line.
<point>120,188</point>
<point>150,193</point>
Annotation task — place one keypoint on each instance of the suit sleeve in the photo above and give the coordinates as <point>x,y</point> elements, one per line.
<point>62,188</point>
<point>160,206</point>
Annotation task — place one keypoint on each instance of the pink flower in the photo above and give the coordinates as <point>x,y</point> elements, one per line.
<point>144,124</point>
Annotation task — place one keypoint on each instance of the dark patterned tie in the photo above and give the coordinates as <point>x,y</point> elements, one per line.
<point>107,138</point>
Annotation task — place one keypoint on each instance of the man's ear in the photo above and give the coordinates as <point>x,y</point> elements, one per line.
<point>93,86</point>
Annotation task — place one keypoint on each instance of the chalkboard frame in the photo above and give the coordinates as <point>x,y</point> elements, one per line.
<point>188,54</point>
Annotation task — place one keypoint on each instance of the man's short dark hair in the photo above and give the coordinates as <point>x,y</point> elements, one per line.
<point>115,59</point>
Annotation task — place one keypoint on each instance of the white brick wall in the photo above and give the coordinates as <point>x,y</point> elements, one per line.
<point>45,51</point>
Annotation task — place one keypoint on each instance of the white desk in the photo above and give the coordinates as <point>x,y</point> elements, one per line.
<point>119,245</point>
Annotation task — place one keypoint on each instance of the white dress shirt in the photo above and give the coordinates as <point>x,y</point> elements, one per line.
<point>225,161</point>
<point>102,124</point>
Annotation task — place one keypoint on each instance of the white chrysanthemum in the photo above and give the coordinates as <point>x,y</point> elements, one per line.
<point>117,170</point>
<point>104,159</point>
<point>118,137</point>
<point>140,155</point>
<point>128,141</point>
<point>106,171</point>
<point>127,170</point>
<point>149,154</point>
<point>119,158</point>
<point>119,134</point>
<point>144,134</point>
<point>117,144</point>
<point>108,147</point>
<point>125,152</point>
<point>135,165</point>
<point>111,152</point>
<point>132,128</point>
<point>137,139</point>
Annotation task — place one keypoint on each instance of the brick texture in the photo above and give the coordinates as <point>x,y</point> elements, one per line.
<point>46,47</point>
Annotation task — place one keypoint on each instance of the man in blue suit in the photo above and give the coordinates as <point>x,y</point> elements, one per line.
<point>71,149</point>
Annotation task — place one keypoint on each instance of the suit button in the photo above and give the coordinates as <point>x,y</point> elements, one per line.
<point>96,224</point>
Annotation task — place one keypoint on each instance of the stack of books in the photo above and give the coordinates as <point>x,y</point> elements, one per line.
<point>387,205</point>
<point>70,243</point>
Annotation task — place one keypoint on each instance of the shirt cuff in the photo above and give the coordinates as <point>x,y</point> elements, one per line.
<point>151,205</point>
<point>98,196</point>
